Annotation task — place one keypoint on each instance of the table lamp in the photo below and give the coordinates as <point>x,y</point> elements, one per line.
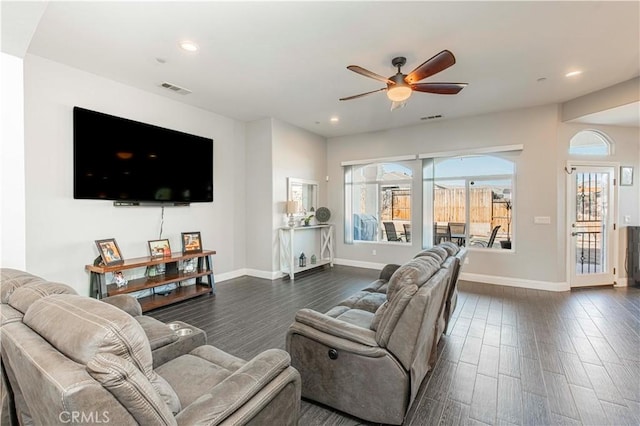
<point>292,208</point>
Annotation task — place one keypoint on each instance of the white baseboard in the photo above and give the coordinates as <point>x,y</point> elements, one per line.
<point>623,282</point>
<point>515,282</point>
<point>359,264</point>
<point>225,276</point>
<point>267,275</point>
<point>481,278</point>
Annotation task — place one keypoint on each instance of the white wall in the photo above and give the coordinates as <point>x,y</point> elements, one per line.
<point>12,186</point>
<point>537,248</point>
<point>259,193</point>
<point>300,154</point>
<point>276,151</point>
<point>60,231</point>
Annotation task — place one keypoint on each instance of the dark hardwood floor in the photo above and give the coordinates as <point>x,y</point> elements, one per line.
<point>511,355</point>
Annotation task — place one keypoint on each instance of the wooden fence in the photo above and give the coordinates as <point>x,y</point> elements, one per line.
<point>450,206</point>
<point>484,213</point>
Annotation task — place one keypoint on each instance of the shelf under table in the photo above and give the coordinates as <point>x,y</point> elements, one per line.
<point>176,295</point>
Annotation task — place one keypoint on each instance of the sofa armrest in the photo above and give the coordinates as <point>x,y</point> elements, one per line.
<point>127,303</point>
<point>387,271</point>
<point>336,327</point>
<point>234,391</point>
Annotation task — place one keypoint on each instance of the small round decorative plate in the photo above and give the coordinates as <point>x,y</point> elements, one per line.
<point>323,214</point>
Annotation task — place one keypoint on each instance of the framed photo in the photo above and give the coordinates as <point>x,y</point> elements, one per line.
<point>159,248</point>
<point>626,175</point>
<point>110,252</point>
<point>191,242</point>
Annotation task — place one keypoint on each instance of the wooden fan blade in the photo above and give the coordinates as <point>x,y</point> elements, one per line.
<point>369,74</point>
<point>439,88</point>
<point>362,94</point>
<point>439,62</point>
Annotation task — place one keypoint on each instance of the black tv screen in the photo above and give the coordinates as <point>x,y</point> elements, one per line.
<point>125,160</point>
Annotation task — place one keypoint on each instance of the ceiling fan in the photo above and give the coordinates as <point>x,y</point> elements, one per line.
<point>400,86</point>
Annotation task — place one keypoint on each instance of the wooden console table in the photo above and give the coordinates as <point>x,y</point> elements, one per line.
<point>99,288</point>
<point>288,259</point>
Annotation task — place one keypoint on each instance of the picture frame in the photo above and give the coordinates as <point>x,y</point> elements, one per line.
<point>626,175</point>
<point>191,242</point>
<point>159,248</point>
<point>110,252</point>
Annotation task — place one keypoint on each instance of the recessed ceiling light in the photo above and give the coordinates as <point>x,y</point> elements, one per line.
<point>334,119</point>
<point>573,73</point>
<point>189,46</point>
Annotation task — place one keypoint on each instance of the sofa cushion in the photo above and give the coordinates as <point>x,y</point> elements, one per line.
<point>365,300</point>
<point>377,317</point>
<point>126,302</point>
<point>192,376</point>
<point>392,313</point>
<point>336,311</point>
<point>9,314</point>
<point>97,328</point>
<point>415,272</point>
<point>24,296</point>
<point>451,248</point>
<point>438,253</point>
<point>131,388</point>
<point>12,279</point>
<point>158,333</point>
<point>357,317</point>
<point>378,286</point>
<point>387,271</point>
<point>166,392</point>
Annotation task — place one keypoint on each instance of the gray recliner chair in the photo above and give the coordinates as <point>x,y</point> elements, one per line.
<point>73,357</point>
<point>370,362</point>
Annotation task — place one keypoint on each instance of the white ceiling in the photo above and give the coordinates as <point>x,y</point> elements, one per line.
<point>288,60</point>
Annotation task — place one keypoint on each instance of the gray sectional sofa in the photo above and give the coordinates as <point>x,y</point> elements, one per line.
<point>368,355</point>
<point>69,358</point>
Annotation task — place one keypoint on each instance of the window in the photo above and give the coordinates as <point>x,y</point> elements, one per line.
<point>590,142</point>
<point>378,202</point>
<point>468,200</point>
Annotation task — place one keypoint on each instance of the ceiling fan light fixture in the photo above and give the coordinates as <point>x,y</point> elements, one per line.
<point>399,92</point>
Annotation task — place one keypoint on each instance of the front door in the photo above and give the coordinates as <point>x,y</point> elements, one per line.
<point>591,225</point>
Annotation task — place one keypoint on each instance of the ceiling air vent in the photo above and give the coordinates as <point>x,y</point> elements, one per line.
<point>175,88</point>
<point>431,117</point>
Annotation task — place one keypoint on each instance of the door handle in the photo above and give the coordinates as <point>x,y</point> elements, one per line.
<point>573,234</point>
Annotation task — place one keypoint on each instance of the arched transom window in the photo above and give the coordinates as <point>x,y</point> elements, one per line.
<point>590,142</point>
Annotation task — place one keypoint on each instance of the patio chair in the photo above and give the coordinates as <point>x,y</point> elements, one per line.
<point>407,232</point>
<point>390,229</point>
<point>441,232</point>
<point>457,230</point>
<point>489,244</point>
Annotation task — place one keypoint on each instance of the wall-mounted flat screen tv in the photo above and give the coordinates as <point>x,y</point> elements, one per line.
<point>129,161</point>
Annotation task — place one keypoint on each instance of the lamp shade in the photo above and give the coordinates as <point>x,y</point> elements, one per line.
<point>399,92</point>
<point>292,207</point>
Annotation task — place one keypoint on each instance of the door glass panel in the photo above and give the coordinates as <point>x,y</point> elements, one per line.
<point>590,221</point>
